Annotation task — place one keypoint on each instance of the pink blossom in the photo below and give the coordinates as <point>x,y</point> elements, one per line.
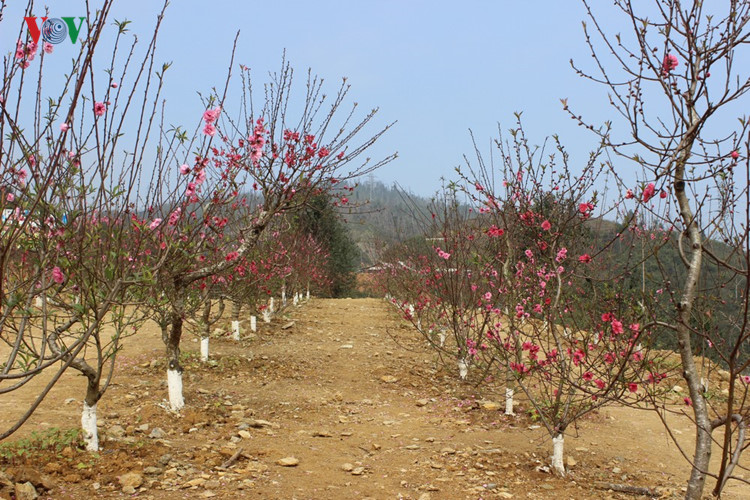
<point>64,127</point>
<point>114,85</point>
<point>546,225</point>
<point>184,169</point>
<point>588,376</point>
<point>175,216</point>
<point>662,194</point>
<point>600,383</point>
<point>209,129</point>
<point>442,254</point>
<point>210,115</point>
<point>633,387</point>
<point>585,258</point>
<point>48,48</point>
<point>561,255</point>
<point>10,197</point>
<point>201,177</point>
<point>529,254</point>
<point>57,275</point>
<point>232,256</point>
<point>635,327</point>
<point>190,191</point>
<point>617,327</point>
<point>629,194</point>
<point>648,192</point>
<point>488,296</point>
<point>494,231</point>
<point>746,379</point>
<point>154,224</point>
<point>99,108</point>
<point>670,62</point>
<point>735,155</point>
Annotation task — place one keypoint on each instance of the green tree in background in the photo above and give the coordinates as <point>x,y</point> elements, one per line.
<point>321,220</point>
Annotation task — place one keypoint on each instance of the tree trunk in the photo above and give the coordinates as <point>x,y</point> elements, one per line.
<point>206,334</point>
<point>509,392</point>
<point>558,446</point>
<point>204,349</point>
<point>174,369</point>
<point>693,264</point>
<point>463,368</point>
<point>88,415</point>
<point>236,309</point>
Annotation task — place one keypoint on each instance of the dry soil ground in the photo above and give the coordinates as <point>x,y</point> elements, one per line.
<point>338,395</point>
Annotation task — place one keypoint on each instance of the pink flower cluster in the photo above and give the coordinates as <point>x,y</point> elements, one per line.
<point>210,116</point>
<point>494,231</point>
<point>258,140</point>
<point>26,53</point>
<point>442,254</point>
<point>585,209</point>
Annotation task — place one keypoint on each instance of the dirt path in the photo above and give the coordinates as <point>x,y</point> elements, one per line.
<point>361,416</point>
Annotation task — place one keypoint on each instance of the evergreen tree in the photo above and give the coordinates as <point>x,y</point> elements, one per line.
<point>321,220</point>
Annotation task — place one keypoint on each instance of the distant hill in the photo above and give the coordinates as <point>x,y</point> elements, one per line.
<point>383,215</point>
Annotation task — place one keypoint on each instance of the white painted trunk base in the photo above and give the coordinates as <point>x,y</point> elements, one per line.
<point>295,299</point>
<point>270,305</point>
<point>266,315</point>
<point>463,368</point>
<point>558,445</point>
<point>88,424</point>
<point>308,294</point>
<point>283,297</point>
<point>204,349</point>
<point>236,330</point>
<point>38,301</point>
<point>174,384</point>
<point>253,324</point>
<point>443,336</point>
<point>509,401</point>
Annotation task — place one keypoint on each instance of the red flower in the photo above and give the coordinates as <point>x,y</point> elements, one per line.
<point>57,275</point>
<point>495,231</point>
<point>99,108</point>
<point>670,62</point>
<point>585,258</point>
<point>648,193</point>
<point>546,225</point>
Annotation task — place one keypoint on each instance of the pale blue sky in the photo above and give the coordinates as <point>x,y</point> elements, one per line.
<point>439,68</point>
